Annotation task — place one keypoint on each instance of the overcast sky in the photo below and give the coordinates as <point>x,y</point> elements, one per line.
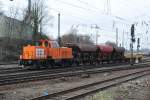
<point>87,13</point>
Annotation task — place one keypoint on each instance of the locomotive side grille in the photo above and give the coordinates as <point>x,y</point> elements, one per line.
<point>28,54</point>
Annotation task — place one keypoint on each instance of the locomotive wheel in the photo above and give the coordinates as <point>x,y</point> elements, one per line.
<point>36,66</point>
<point>65,63</point>
<point>51,64</point>
<point>78,62</point>
<point>62,63</point>
<point>33,67</point>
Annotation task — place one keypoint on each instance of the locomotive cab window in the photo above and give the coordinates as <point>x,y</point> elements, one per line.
<point>54,44</point>
<point>46,44</point>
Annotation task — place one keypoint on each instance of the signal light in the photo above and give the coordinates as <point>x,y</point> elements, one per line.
<point>138,42</point>
<point>133,39</point>
<point>132,30</point>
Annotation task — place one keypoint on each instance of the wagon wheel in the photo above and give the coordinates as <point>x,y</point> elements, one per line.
<point>76,57</point>
<point>98,57</point>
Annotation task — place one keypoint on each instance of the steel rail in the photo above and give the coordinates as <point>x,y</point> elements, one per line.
<point>83,90</point>
<point>5,80</point>
<point>20,70</point>
<point>17,70</point>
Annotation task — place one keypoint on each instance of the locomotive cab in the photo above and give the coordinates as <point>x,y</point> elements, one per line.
<point>47,43</point>
<point>44,52</point>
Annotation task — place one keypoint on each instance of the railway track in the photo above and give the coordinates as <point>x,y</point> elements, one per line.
<point>10,63</point>
<point>11,70</point>
<point>49,74</point>
<point>21,70</point>
<point>83,90</point>
<point>18,69</point>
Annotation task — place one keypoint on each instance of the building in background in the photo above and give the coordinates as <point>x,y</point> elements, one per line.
<point>13,35</point>
<point>14,29</point>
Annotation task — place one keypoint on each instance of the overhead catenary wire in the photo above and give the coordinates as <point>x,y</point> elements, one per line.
<point>82,19</point>
<point>76,6</point>
<point>79,22</point>
<point>86,3</point>
<point>79,18</point>
<point>74,16</point>
<point>118,18</point>
<point>97,12</point>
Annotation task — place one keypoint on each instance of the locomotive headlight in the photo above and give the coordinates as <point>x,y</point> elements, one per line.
<point>21,57</point>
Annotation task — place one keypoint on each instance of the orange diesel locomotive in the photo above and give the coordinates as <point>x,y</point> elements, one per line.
<point>45,53</point>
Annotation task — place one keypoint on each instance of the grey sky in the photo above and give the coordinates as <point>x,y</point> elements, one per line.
<point>88,12</point>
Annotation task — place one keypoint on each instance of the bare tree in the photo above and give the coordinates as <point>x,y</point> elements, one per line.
<point>39,17</point>
<point>1,11</point>
<point>73,37</point>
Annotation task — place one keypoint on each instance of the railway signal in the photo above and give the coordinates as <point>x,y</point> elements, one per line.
<point>138,44</point>
<point>132,33</point>
<point>132,30</point>
<point>132,41</point>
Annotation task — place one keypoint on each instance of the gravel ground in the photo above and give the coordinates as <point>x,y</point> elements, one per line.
<point>26,91</point>
<point>133,90</point>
